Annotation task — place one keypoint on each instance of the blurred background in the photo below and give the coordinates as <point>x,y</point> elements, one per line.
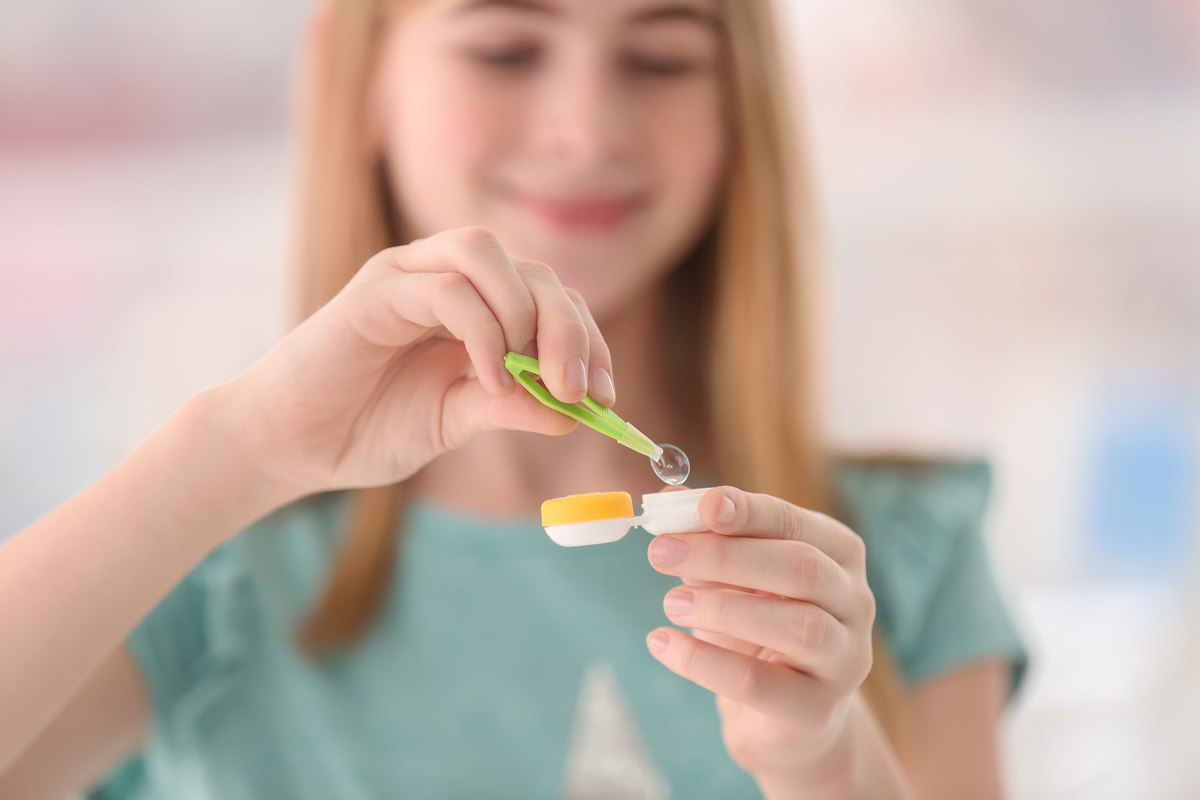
<point>1012,192</point>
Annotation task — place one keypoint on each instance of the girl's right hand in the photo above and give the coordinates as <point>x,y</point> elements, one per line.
<point>376,383</point>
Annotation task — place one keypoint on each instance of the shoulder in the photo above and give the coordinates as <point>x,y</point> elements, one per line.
<point>913,515</point>
<point>190,647</point>
<point>238,599</point>
<point>945,496</point>
<point>938,601</point>
<point>281,555</point>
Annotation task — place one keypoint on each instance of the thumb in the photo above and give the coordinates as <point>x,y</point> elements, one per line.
<point>470,409</point>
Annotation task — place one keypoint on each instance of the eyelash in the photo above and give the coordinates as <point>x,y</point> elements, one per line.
<point>522,57</point>
<point>507,57</point>
<point>659,66</point>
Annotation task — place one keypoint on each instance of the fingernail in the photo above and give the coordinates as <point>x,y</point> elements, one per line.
<point>679,602</point>
<point>506,377</point>
<point>530,349</point>
<point>726,513</point>
<point>602,387</point>
<point>658,641</point>
<point>668,551</point>
<point>577,374</point>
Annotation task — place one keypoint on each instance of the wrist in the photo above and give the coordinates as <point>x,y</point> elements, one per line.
<point>211,432</point>
<point>826,770</point>
<point>856,760</point>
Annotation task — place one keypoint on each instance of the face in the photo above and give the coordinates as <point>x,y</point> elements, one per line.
<point>584,134</point>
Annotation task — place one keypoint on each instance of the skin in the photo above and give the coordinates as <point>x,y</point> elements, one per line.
<point>587,136</point>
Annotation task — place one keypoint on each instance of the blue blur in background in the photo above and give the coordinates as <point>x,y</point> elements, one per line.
<point>1141,499</point>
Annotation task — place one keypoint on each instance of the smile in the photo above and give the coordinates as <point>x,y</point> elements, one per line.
<point>582,213</point>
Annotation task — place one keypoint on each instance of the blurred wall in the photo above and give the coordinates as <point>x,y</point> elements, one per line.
<point>1012,194</point>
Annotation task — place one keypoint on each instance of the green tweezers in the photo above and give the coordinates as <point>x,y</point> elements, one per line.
<point>526,371</point>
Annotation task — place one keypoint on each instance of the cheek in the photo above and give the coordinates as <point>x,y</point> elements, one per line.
<point>438,139</point>
<point>683,151</point>
<point>690,151</point>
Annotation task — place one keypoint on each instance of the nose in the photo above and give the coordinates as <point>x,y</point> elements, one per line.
<point>583,117</point>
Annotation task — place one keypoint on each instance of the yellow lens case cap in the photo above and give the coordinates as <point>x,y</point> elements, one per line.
<point>588,507</point>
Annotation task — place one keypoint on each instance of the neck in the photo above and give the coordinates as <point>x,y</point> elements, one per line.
<point>510,473</point>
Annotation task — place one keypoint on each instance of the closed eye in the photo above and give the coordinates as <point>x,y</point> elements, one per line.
<point>507,57</point>
<point>659,66</point>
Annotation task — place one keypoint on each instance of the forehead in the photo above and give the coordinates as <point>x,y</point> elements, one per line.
<point>609,12</point>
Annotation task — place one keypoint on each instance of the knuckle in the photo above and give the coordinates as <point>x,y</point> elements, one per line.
<point>522,317</point>
<point>576,298</point>
<point>688,654</point>
<point>752,682</point>
<point>719,608</point>
<point>523,321</point>
<point>796,523</point>
<point>858,550</point>
<point>598,350</point>
<point>863,662</point>
<point>714,552</point>
<point>388,256</point>
<point>380,265</point>
<point>574,330</point>
<point>476,239</point>
<point>452,285</point>
<point>807,628</point>
<point>789,520</point>
<point>539,267</point>
<point>810,569</point>
<point>868,605</point>
<point>858,666</point>
<point>538,272</point>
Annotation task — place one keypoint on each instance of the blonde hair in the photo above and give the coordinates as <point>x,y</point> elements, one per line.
<point>750,292</point>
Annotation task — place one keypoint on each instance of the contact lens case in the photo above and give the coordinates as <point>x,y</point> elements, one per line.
<point>602,517</point>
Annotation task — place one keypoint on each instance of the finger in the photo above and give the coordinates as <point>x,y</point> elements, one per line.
<point>470,409</point>
<point>732,512</point>
<point>600,371</point>
<point>767,686</point>
<point>808,636</point>
<point>728,642</point>
<point>790,569</point>
<point>731,643</point>
<point>562,337</point>
<point>476,253</point>
<point>450,300</point>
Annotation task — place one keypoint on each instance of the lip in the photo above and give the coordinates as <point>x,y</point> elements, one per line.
<point>583,213</point>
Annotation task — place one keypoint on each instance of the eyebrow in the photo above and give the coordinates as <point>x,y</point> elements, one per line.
<point>663,13</point>
<point>517,5</point>
<point>683,11</point>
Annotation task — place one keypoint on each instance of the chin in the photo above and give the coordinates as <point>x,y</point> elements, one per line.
<point>608,281</point>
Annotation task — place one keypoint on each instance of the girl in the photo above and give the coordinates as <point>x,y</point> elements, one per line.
<point>395,623</point>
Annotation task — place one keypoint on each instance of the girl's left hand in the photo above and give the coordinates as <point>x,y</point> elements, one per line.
<point>777,600</point>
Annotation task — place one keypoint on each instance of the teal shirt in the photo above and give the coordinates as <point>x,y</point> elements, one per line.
<point>503,665</point>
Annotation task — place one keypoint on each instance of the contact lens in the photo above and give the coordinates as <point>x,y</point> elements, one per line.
<point>672,466</point>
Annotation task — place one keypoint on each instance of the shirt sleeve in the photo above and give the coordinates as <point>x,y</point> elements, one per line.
<point>192,648</point>
<point>172,644</point>
<point>167,647</point>
<point>938,603</point>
